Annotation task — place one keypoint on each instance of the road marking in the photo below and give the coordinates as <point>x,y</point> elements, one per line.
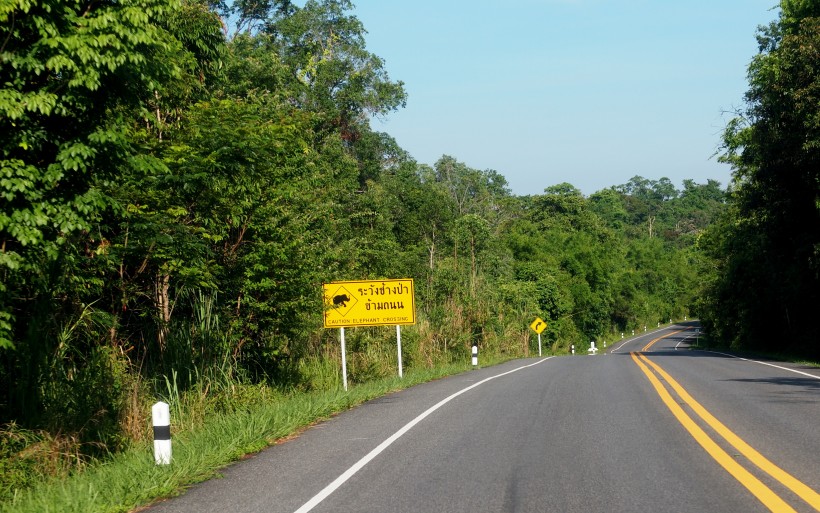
<point>634,338</point>
<point>763,493</point>
<point>652,342</point>
<point>339,481</point>
<point>620,346</point>
<point>769,364</point>
<point>684,339</point>
<point>789,481</point>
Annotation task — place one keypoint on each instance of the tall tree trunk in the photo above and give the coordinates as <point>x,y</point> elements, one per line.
<point>432,251</point>
<point>162,301</point>
<point>473,276</point>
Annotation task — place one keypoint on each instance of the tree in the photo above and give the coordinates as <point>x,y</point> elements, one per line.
<point>66,69</point>
<point>610,206</point>
<point>698,206</point>
<point>771,247</point>
<point>331,72</point>
<point>474,191</point>
<point>472,231</point>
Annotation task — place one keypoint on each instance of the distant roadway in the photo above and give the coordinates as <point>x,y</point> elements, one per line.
<point>648,426</point>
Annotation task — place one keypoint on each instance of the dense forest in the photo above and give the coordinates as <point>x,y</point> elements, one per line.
<point>764,291</point>
<point>178,180</point>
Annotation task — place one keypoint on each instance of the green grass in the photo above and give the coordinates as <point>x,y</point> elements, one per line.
<point>130,479</point>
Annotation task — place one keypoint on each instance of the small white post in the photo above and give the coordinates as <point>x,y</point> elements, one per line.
<point>539,345</point>
<point>398,346</point>
<point>161,420</point>
<point>475,355</point>
<point>344,358</point>
<point>572,348</point>
<point>633,333</point>
<point>659,324</point>
<point>622,335</point>
<point>644,328</point>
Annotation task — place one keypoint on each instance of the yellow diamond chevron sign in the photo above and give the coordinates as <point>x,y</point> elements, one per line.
<point>369,303</point>
<point>538,325</point>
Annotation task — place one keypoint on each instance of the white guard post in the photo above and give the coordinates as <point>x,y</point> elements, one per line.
<point>398,347</point>
<point>475,355</point>
<point>592,349</point>
<point>344,357</point>
<point>161,419</point>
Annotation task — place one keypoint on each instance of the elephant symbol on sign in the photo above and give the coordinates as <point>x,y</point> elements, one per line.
<point>341,300</point>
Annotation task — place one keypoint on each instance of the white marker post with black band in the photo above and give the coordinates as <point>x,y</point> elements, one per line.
<point>161,419</point>
<point>475,355</point>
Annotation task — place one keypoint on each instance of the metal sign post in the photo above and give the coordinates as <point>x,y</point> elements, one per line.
<point>344,358</point>
<point>398,346</point>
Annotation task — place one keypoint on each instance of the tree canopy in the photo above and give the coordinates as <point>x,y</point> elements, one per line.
<point>767,246</point>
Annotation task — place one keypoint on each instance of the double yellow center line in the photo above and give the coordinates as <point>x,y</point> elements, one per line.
<point>652,342</point>
<point>763,493</point>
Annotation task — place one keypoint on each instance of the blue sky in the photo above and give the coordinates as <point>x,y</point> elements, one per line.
<point>590,92</point>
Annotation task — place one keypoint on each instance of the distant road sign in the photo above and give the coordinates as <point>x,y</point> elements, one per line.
<point>369,303</point>
<point>538,325</point>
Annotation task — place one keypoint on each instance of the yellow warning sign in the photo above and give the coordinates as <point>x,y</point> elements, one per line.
<point>538,325</point>
<point>369,303</point>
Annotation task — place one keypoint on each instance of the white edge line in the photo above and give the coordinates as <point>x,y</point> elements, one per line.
<point>622,345</point>
<point>681,341</point>
<point>339,481</point>
<point>636,337</point>
<point>769,364</point>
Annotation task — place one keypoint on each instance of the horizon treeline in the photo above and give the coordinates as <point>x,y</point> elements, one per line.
<point>176,190</point>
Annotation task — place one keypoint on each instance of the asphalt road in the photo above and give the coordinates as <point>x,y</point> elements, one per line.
<point>566,434</point>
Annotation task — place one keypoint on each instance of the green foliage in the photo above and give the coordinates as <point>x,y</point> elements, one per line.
<point>131,479</point>
<point>332,72</point>
<point>176,195</point>
<point>27,458</point>
<point>65,67</point>
<point>766,249</point>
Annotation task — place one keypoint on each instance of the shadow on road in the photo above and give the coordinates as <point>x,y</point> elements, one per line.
<point>808,383</point>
